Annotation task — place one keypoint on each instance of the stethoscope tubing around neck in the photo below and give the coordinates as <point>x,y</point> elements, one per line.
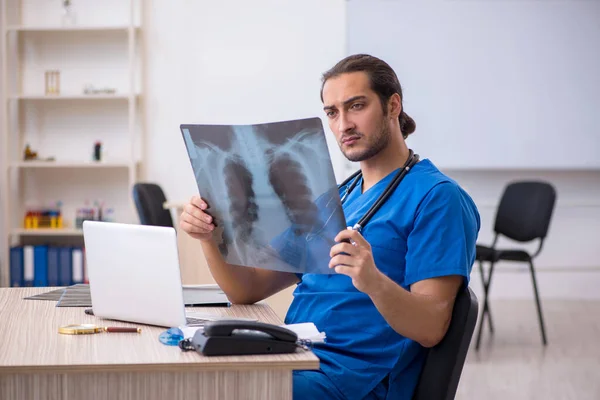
<point>355,177</point>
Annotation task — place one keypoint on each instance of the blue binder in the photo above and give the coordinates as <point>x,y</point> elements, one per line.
<point>53,266</point>
<point>40,265</point>
<point>16,267</point>
<point>65,270</point>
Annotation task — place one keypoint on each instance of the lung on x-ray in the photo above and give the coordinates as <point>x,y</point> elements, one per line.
<point>271,192</point>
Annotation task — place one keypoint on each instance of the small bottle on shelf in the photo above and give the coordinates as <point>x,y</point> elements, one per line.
<point>79,218</point>
<point>68,17</point>
<point>59,219</point>
<point>28,222</point>
<point>36,215</point>
<point>98,151</point>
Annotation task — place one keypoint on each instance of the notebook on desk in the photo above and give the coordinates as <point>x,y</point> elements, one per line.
<point>204,296</point>
<point>134,275</point>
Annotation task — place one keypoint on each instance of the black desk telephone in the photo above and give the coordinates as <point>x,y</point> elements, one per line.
<point>232,337</point>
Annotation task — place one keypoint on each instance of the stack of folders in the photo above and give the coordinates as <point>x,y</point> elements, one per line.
<point>47,266</point>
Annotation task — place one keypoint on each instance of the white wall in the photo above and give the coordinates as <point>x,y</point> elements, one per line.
<point>232,61</point>
<point>495,84</point>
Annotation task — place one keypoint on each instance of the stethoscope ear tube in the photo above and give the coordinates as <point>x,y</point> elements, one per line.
<point>352,185</point>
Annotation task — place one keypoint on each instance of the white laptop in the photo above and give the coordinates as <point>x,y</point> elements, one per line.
<point>134,275</point>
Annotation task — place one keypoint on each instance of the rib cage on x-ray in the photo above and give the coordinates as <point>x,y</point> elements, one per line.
<point>261,182</point>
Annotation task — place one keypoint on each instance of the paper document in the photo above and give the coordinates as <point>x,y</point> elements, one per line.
<point>198,295</point>
<point>271,192</point>
<point>307,331</point>
<point>204,286</point>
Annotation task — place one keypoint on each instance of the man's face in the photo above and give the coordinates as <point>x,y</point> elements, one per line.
<point>355,116</point>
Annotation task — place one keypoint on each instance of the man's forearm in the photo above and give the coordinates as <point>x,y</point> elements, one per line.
<point>234,280</point>
<point>420,317</point>
<point>241,284</point>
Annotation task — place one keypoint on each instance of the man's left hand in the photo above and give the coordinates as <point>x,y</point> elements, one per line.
<point>357,262</point>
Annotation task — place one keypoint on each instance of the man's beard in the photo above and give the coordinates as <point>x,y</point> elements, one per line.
<point>375,145</point>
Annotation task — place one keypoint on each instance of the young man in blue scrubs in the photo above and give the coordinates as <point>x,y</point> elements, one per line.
<point>397,277</point>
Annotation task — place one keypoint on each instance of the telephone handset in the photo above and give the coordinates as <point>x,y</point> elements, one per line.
<point>234,337</point>
<point>234,327</point>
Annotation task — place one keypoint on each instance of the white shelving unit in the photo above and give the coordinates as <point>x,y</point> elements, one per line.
<point>101,46</point>
<point>59,164</point>
<point>17,28</point>
<point>44,232</point>
<point>69,97</point>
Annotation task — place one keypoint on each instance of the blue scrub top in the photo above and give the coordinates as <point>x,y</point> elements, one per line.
<point>426,229</point>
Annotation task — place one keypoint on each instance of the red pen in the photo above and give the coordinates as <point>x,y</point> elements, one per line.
<point>115,329</point>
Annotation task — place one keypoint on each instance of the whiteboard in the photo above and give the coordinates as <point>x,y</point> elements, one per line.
<point>491,84</point>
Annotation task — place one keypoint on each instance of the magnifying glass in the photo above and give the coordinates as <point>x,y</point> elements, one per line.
<point>85,329</point>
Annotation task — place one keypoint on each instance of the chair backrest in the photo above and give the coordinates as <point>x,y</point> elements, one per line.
<point>444,362</point>
<point>525,210</point>
<point>149,199</point>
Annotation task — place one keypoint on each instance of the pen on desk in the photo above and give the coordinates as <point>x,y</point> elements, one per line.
<point>116,329</point>
<point>209,305</point>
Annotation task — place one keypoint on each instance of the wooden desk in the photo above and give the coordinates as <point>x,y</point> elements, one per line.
<point>36,362</point>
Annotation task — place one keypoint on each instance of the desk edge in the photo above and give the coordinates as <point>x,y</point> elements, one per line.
<point>178,367</point>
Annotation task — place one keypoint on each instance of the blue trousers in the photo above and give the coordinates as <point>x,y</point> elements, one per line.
<point>310,385</point>
<point>314,385</point>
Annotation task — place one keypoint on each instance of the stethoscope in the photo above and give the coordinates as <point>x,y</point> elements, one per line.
<point>410,162</point>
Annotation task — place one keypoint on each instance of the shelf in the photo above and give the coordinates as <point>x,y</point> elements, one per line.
<point>101,49</point>
<point>69,164</point>
<point>71,97</point>
<point>16,28</point>
<point>47,232</point>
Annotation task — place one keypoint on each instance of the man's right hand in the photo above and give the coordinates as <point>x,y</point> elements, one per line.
<point>242,284</point>
<point>195,221</point>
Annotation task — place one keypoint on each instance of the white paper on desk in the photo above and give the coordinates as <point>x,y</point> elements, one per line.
<point>307,331</point>
<point>189,331</point>
<point>206,286</point>
<point>214,317</point>
<point>201,295</point>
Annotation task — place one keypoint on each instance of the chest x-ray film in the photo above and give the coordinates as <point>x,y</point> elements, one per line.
<point>271,192</point>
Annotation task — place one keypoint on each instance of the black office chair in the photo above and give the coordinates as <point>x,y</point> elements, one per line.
<point>523,215</point>
<point>149,199</point>
<point>444,363</point>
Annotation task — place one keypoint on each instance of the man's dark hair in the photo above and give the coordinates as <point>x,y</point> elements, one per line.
<point>383,80</point>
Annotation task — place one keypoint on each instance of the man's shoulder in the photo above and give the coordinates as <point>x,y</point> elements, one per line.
<point>426,177</point>
<point>433,186</point>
